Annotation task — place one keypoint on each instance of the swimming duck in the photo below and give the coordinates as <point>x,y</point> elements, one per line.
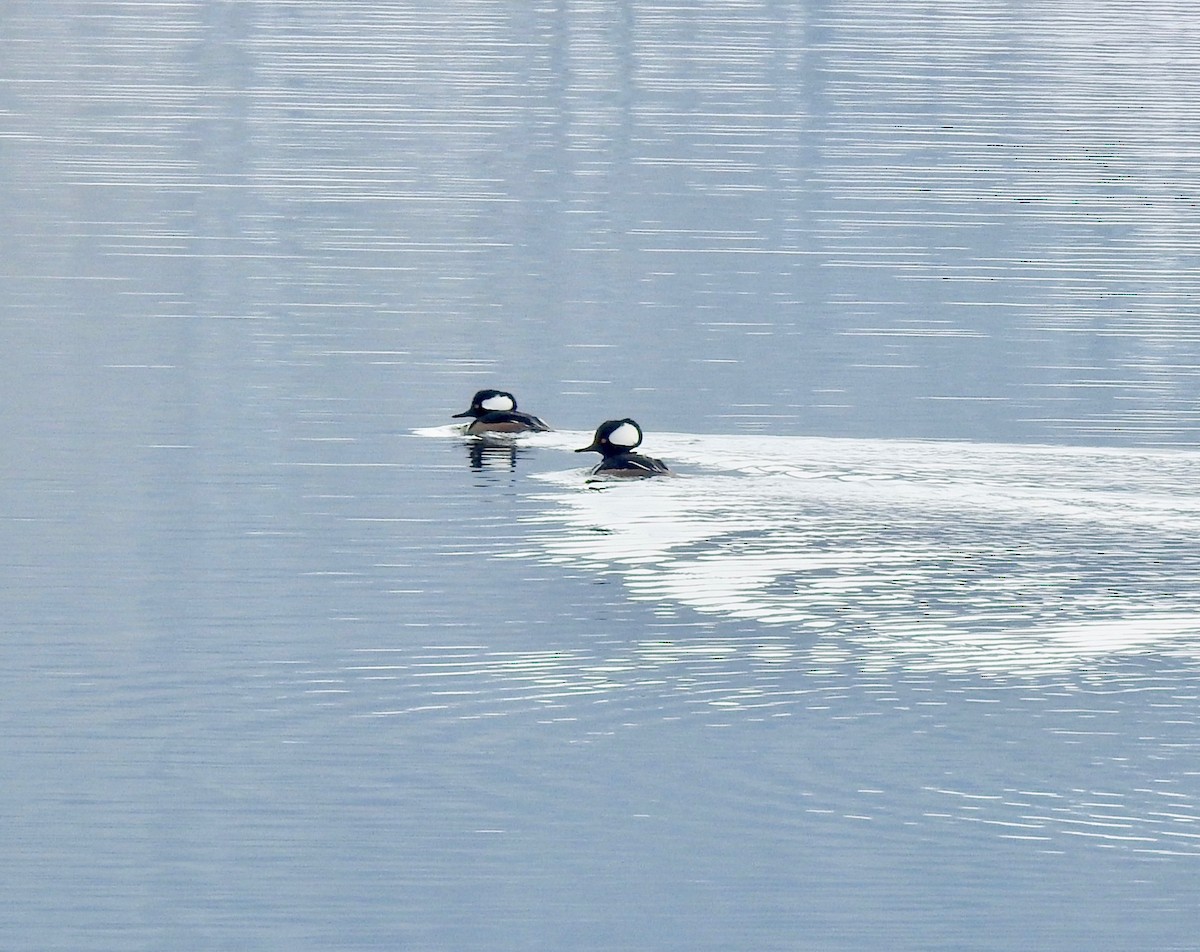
<point>615,440</point>
<point>495,411</point>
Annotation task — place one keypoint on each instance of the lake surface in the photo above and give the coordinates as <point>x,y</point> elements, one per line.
<point>907,653</point>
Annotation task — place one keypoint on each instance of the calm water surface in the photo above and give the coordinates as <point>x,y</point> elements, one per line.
<point>906,656</point>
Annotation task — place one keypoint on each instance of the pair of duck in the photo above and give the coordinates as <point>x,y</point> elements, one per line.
<point>495,411</point>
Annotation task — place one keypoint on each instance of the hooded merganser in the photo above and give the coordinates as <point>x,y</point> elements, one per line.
<point>495,411</point>
<point>615,441</point>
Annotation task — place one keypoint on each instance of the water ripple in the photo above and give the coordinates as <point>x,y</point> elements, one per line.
<point>950,556</point>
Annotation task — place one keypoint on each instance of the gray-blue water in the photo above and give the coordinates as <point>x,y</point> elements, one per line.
<point>906,656</point>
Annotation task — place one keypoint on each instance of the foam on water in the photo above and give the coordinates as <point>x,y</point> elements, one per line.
<point>950,556</point>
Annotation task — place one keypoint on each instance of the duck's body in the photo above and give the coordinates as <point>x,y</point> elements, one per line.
<point>495,411</point>
<point>615,441</point>
<point>626,465</point>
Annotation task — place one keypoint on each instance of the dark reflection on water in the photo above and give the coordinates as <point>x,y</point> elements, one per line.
<point>283,674</point>
<point>493,454</point>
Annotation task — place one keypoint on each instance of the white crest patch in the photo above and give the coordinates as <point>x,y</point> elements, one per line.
<point>625,435</point>
<point>501,401</point>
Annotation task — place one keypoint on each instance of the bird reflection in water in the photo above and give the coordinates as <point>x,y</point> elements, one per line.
<point>494,453</point>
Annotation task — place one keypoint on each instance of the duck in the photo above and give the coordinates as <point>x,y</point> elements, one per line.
<point>615,441</point>
<point>495,411</point>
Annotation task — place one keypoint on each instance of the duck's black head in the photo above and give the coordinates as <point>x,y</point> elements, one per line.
<point>488,401</point>
<point>614,437</point>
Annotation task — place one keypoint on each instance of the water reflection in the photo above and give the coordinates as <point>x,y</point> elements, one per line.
<point>493,452</point>
<point>866,219</point>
